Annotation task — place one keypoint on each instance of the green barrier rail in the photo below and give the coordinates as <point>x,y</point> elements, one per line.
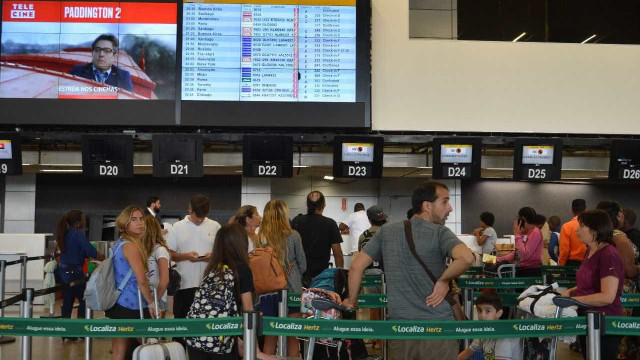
<point>559,270</point>
<point>498,283</point>
<point>371,281</point>
<point>630,300</point>
<point>107,328</point>
<point>565,282</point>
<point>474,270</point>
<point>365,301</point>
<point>416,330</point>
<point>622,325</point>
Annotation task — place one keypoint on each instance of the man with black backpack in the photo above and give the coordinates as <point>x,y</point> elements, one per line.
<point>411,294</point>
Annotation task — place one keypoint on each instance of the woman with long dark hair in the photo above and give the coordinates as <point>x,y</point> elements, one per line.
<point>74,249</point>
<point>247,216</point>
<point>225,291</point>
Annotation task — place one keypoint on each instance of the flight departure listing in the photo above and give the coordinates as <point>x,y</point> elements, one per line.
<point>269,52</point>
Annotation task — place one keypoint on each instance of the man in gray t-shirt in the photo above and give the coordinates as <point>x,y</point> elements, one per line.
<point>410,292</point>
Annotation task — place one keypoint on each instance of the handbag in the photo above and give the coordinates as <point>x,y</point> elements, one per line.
<point>456,308</point>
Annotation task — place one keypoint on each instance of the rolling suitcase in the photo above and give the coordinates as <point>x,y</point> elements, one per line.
<point>155,349</point>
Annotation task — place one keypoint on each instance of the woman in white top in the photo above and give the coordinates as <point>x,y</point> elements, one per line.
<point>159,260</point>
<point>485,234</point>
<point>248,217</point>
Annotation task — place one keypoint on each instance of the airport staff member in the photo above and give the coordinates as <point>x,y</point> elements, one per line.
<point>104,49</point>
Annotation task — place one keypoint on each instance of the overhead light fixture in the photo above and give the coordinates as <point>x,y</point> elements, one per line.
<point>328,177</point>
<point>588,39</point>
<point>301,166</point>
<point>519,37</point>
<point>62,170</point>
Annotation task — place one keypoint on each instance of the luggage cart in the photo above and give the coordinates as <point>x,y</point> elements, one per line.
<point>551,344</point>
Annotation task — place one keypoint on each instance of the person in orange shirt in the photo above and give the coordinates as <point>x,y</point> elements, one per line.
<point>571,249</point>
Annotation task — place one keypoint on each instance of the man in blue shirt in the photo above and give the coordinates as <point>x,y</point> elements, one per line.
<point>101,69</point>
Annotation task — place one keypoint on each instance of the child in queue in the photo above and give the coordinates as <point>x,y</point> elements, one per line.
<point>489,306</point>
<point>225,291</point>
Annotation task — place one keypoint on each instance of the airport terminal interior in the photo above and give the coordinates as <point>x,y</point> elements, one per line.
<point>525,113</point>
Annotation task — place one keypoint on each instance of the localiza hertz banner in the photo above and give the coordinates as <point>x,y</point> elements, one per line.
<point>121,328</point>
<point>424,330</point>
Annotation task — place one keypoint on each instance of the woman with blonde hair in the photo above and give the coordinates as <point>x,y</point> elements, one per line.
<point>130,259</point>
<point>159,260</point>
<point>248,217</point>
<point>275,232</point>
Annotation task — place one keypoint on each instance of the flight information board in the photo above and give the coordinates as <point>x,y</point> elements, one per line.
<point>273,50</point>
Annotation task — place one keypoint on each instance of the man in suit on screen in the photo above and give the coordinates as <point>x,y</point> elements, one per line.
<point>101,69</point>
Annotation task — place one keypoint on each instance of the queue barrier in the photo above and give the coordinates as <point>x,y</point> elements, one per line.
<point>352,329</point>
<point>559,270</point>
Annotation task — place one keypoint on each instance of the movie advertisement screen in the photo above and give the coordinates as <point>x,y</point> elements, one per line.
<point>357,152</point>
<point>88,50</point>
<point>537,155</point>
<point>456,154</point>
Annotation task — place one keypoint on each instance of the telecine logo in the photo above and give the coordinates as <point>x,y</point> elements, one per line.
<point>23,11</point>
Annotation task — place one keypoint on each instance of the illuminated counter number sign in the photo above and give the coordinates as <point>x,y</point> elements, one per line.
<point>266,169</point>
<point>177,155</point>
<point>624,163</point>
<point>538,160</point>
<point>357,156</point>
<point>456,158</point>
<point>107,156</point>
<point>10,154</point>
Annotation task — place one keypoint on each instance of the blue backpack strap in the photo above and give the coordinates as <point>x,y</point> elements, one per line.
<point>129,273</point>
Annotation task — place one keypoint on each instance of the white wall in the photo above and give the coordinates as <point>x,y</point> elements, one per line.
<point>20,204</point>
<point>450,85</point>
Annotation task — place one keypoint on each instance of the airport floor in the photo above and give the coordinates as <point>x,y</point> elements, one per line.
<point>51,348</point>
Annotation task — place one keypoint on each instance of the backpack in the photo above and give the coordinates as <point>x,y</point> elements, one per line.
<point>101,293</point>
<point>174,281</point>
<point>334,280</point>
<point>215,298</point>
<point>267,272</point>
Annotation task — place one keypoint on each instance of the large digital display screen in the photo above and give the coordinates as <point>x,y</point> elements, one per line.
<point>88,50</point>
<point>269,51</point>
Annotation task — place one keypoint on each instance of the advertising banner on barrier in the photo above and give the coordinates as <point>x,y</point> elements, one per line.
<point>559,270</point>
<point>120,328</point>
<point>622,325</point>
<point>365,301</point>
<point>414,330</point>
<point>498,283</point>
<point>371,281</point>
<point>630,300</point>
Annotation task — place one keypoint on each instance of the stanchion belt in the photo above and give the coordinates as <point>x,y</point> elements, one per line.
<point>121,328</point>
<point>412,330</point>
<point>621,325</point>
<point>498,283</point>
<point>559,270</point>
<point>365,301</point>
<point>374,301</point>
<point>57,288</point>
<point>14,262</point>
<point>415,330</point>
<point>371,281</point>
<point>11,301</point>
<point>43,257</point>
